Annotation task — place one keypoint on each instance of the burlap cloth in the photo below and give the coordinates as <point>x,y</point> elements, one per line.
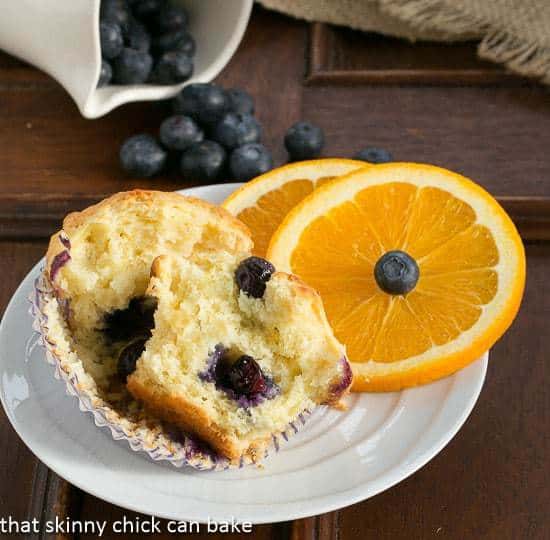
<point>515,33</point>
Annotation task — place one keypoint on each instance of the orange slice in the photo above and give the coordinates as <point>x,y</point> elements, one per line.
<point>263,202</point>
<point>470,257</point>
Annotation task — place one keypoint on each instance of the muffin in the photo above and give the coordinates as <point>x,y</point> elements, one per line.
<point>105,307</point>
<point>237,351</point>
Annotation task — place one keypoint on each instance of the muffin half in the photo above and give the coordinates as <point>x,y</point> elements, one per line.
<point>236,353</point>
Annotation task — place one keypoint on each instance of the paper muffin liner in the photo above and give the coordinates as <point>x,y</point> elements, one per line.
<point>158,442</point>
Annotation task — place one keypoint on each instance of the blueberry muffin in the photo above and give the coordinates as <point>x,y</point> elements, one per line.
<point>150,312</point>
<point>238,351</point>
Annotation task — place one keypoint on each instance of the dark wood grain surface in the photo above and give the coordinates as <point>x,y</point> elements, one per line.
<point>491,480</point>
<point>354,57</point>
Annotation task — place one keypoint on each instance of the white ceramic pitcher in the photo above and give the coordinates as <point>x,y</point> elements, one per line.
<point>61,37</point>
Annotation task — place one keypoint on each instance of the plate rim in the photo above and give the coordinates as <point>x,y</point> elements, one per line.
<point>315,505</point>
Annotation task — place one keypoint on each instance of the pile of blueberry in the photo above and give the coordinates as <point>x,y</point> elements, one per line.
<point>213,135</point>
<point>144,41</point>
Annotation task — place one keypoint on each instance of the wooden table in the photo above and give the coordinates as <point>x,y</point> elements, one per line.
<point>433,103</point>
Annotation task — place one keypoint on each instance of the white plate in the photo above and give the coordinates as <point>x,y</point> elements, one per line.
<point>337,459</point>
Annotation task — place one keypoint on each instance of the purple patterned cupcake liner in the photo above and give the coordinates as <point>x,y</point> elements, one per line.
<point>159,443</point>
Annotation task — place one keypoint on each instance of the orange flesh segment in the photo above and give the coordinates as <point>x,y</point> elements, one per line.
<point>267,214</point>
<point>436,217</point>
<point>455,255</point>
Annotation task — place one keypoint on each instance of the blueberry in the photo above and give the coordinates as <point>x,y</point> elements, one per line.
<point>137,37</point>
<point>240,101</point>
<point>204,102</point>
<point>236,129</point>
<point>147,9</point>
<point>132,67</point>
<point>203,161</point>
<point>250,160</point>
<point>179,132</point>
<point>135,320</point>
<point>252,274</point>
<point>396,272</point>
<point>110,36</point>
<point>129,356</point>
<point>242,380</point>
<point>246,377</point>
<point>172,67</point>
<point>374,155</point>
<point>105,75</point>
<point>185,44</point>
<point>178,40</point>
<point>304,140</point>
<point>168,41</point>
<point>115,11</point>
<point>171,18</point>
<point>142,156</point>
